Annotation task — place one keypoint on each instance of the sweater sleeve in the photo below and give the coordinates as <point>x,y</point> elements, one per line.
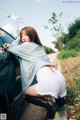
<point>20,50</point>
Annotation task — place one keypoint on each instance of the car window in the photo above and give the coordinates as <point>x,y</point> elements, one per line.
<point>1,42</point>
<point>5,37</point>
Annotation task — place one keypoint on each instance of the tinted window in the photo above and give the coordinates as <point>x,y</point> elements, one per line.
<point>5,37</point>
<point>1,42</point>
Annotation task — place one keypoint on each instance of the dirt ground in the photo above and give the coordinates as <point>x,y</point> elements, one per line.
<point>34,112</point>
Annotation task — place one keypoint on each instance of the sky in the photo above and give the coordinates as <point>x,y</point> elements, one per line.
<point>36,13</point>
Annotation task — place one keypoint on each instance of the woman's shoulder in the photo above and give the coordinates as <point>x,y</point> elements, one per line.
<point>28,43</point>
<point>31,45</point>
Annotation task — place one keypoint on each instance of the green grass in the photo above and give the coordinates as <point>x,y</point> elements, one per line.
<point>67,53</point>
<point>71,71</point>
<point>73,91</point>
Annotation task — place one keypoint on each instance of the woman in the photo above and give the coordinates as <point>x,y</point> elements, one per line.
<point>34,62</point>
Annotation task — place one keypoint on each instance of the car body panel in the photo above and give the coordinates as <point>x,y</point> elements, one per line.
<point>12,101</point>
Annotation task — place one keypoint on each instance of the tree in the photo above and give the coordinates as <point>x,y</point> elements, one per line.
<point>73,29</point>
<point>57,29</point>
<point>48,50</point>
<point>59,43</point>
<point>72,39</point>
<point>56,26</point>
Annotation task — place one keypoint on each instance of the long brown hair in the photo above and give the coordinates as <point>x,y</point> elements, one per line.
<point>33,35</point>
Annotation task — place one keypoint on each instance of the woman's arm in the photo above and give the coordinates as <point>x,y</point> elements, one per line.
<point>21,50</point>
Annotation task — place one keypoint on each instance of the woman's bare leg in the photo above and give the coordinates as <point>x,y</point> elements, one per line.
<point>31,91</point>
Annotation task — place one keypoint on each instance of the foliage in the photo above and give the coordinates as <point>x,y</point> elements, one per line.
<point>71,48</point>
<point>73,28</point>
<point>73,97</point>
<point>67,53</point>
<point>71,71</point>
<point>70,59</point>
<point>74,43</point>
<point>72,39</point>
<point>59,43</point>
<point>56,26</point>
<point>48,50</point>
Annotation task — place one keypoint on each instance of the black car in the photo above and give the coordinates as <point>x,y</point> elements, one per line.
<point>12,101</point>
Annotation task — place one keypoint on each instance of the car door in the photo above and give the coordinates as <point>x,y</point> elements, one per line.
<point>12,100</point>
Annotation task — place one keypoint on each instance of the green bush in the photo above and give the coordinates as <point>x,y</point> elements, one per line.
<point>74,28</point>
<point>73,96</point>
<point>73,91</point>
<point>48,50</point>
<point>74,43</point>
<point>66,54</point>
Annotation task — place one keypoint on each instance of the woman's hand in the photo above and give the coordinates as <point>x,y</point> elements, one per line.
<point>6,45</point>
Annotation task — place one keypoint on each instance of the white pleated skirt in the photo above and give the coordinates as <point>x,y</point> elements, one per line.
<point>50,82</point>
